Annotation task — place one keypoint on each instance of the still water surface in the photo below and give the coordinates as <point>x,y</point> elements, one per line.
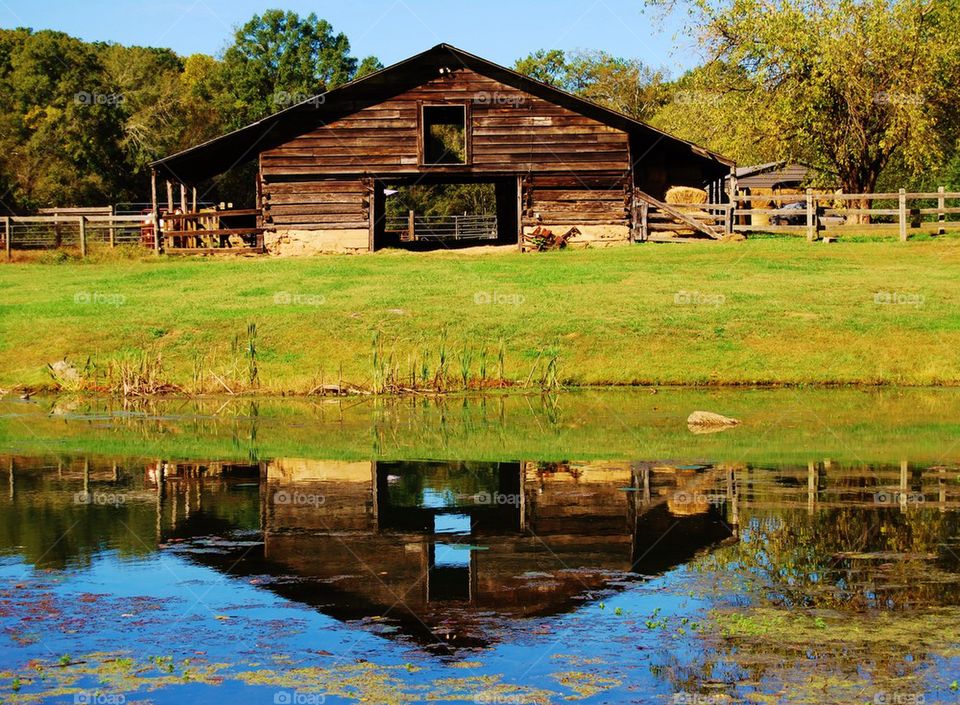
<point>170,554</point>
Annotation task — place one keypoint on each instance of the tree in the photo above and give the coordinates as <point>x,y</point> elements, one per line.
<point>695,109</point>
<point>624,85</point>
<point>848,87</point>
<point>80,122</point>
<point>61,124</point>
<point>369,65</point>
<point>152,102</point>
<point>545,65</point>
<point>203,104</point>
<point>279,59</point>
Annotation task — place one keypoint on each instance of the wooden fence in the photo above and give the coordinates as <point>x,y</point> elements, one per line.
<point>187,233</point>
<point>817,214</point>
<point>900,212</point>
<point>55,231</point>
<point>813,214</point>
<point>212,231</point>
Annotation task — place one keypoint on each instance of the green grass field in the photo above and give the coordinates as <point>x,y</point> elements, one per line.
<point>761,312</point>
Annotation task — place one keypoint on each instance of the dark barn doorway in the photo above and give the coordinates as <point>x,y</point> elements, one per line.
<point>441,212</point>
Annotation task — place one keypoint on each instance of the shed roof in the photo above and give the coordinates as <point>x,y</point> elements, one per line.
<point>772,174</point>
<point>227,151</point>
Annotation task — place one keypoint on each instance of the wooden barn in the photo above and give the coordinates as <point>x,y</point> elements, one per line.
<point>329,166</point>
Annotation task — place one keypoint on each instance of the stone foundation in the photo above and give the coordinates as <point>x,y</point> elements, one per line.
<point>293,243</point>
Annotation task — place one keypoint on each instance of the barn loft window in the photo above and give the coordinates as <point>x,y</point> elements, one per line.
<point>444,137</point>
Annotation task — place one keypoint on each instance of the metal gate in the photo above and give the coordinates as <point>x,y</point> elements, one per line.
<point>416,228</point>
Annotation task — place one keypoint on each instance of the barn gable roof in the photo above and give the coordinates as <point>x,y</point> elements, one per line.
<point>227,151</point>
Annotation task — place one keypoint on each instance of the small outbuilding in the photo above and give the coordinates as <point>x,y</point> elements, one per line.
<point>778,176</point>
<point>550,160</point>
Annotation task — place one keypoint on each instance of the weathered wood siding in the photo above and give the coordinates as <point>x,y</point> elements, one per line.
<point>585,199</point>
<point>317,203</point>
<point>314,179</point>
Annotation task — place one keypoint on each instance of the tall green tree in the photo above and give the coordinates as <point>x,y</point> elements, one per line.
<point>80,121</point>
<point>625,85</point>
<point>278,59</point>
<point>706,105</point>
<point>149,82</point>
<point>545,65</point>
<point>61,126</point>
<point>846,86</point>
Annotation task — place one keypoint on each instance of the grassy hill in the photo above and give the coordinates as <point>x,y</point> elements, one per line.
<point>763,311</point>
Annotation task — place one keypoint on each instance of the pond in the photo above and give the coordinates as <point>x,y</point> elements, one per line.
<point>579,547</point>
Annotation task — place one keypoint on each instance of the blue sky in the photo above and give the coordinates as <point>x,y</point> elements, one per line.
<point>499,30</point>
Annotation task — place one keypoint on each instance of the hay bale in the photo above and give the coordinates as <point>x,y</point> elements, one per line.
<point>686,194</point>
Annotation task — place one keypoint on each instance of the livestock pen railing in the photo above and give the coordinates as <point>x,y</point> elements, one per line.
<point>56,231</point>
<point>897,212</point>
<point>212,231</point>
<point>413,228</point>
<point>813,214</point>
<point>207,231</point>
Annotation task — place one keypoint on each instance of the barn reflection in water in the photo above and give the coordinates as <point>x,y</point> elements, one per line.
<point>444,551</point>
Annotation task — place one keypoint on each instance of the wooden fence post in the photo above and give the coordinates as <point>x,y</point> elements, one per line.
<point>194,190</point>
<point>644,221</point>
<point>82,224</point>
<point>811,217</point>
<point>941,207</point>
<point>183,198</point>
<point>411,224</point>
<point>903,214</point>
<point>7,234</point>
<point>728,217</point>
<point>156,211</point>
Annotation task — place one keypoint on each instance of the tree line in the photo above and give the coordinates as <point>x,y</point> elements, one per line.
<point>80,122</point>
<point>862,91</point>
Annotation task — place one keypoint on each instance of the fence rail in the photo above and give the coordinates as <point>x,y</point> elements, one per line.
<point>902,212</point>
<point>212,231</point>
<point>809,213</point>
<point>814,212</point>
<point>443,227</point>
<point>179,233</point>
<point>54,231</point>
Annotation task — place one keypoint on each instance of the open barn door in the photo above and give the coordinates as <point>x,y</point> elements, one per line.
<point>435,213</point>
